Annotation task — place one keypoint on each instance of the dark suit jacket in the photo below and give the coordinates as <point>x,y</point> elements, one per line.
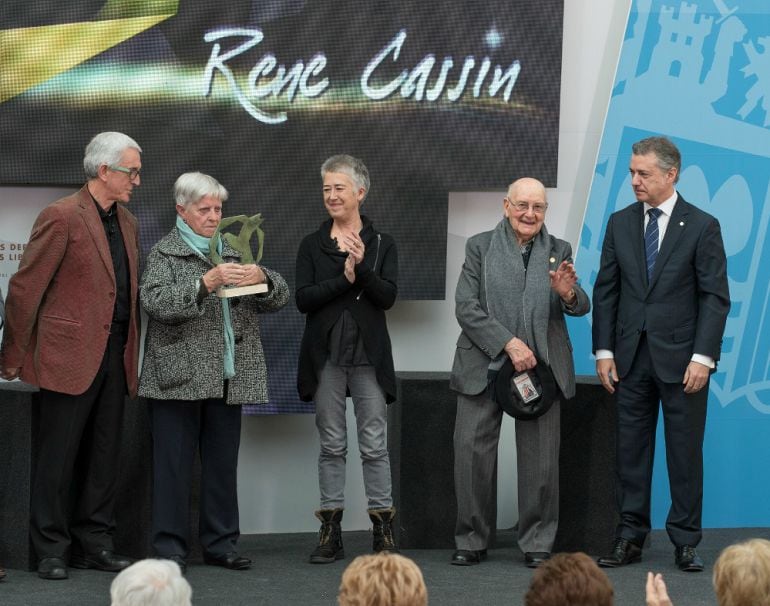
<point>60,302</point>
<point>483,337</point>
<point>683,308</point>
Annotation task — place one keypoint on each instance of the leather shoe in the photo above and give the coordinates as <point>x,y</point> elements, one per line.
<point>624,552</point>
<point>104,560</point>
<point>229,560</point>
<point>687,560</point>
<point>53,569</point>
<point>533,559</point>
<point>468,557</point>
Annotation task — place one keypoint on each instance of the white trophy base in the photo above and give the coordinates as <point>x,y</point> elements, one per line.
<point>225,292</point>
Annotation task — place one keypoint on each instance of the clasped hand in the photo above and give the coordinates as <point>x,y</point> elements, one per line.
<point>233,274</point>
<point>355,248</point>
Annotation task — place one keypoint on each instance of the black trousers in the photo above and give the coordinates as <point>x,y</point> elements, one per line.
<point>178,428</point>
<point>639,398</point>
<point>73,492</point>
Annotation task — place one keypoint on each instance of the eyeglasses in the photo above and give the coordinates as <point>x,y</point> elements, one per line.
<point>132,173</point>
<point>522,207</point>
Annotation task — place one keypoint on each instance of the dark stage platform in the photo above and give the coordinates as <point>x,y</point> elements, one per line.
<point>282,576</point>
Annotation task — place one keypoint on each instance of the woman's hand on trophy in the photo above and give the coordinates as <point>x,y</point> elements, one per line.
<point>223,274</point>
<point>253,275</point>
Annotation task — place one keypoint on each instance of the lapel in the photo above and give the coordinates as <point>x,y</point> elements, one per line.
<point>129,243</point>
<point>637,237</point>
<point>676,226</point>
<point>93,222</point>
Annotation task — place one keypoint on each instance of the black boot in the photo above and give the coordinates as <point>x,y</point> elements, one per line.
<point>382,531</point>
<point>329,537</point>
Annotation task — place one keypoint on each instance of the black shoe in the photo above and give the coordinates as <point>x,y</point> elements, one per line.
<point>104,560</point>
<point>687,559</point>
<point>624,552</point>
<point>53,569</point>
<point>178,560</point>
<point>468,557</point>
<point>229,560</point>
<point>533,559</point>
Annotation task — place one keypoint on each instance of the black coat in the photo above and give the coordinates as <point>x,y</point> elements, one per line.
<point>323,292</point>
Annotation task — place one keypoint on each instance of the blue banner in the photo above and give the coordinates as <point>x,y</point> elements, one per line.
<point>698,72</point>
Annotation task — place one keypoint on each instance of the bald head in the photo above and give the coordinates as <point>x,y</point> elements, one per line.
<point>526,186</point>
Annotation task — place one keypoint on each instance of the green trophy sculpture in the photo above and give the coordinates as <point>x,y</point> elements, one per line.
<point>241,243</point>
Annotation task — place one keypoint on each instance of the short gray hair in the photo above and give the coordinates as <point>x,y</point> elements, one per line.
<point>665,151</point>
<point>106,148</point>
<point>191,187</point>
<point>151,583</point>
<point>350,166</point>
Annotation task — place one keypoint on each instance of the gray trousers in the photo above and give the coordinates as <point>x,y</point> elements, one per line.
<point>477,432</point>
<point>371,421</point>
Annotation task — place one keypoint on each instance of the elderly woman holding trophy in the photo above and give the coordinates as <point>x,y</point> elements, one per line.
<point>203,357</point>
<point>346,279</point>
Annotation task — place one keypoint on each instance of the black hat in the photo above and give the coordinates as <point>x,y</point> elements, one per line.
<point>525,395</point>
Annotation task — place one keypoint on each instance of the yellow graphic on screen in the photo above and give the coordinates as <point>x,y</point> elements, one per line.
<point>31,55</point>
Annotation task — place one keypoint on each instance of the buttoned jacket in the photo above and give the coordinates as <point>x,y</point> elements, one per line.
<point>483,337</point>
<point>61,300</point>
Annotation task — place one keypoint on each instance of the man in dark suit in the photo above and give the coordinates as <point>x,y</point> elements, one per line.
<point>72,329</point>
<point>516,285</point>
<point>660,304</point>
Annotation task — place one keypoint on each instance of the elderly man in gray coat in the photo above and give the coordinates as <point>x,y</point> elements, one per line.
<point>516,285</point>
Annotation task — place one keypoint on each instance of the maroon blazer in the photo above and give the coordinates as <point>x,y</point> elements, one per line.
<point>60,302</point>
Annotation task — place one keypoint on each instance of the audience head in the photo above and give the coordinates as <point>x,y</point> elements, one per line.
<point>383,579</point>
<point>742,574</point>
<point>569,578</point>
<point>151,583</point>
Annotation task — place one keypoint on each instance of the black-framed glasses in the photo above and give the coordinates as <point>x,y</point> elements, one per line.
<point>132,173</point>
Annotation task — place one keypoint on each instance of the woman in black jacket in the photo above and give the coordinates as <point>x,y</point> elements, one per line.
<point>346,279</point>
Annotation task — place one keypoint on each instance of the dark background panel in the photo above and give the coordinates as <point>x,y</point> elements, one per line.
<point>416,150</point>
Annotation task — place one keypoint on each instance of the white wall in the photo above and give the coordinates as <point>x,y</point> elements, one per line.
<point>277,472</point>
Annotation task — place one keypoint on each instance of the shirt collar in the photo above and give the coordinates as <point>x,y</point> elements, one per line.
<point>667,207</point>
<point>104,214</point>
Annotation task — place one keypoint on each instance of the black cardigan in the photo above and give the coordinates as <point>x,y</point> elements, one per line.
<point>323,292</point>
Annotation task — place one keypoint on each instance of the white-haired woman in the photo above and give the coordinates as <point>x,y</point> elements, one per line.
<point>346,279</point>
<point>203,357</point>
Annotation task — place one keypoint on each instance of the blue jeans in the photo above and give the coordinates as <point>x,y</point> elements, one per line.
<point>371,421</point>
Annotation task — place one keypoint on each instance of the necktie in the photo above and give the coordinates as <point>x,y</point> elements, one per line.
<point>651,239</point>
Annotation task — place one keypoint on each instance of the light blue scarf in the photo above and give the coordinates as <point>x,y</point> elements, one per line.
<point>200,246</point>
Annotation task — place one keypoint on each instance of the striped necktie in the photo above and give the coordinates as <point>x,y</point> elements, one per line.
<point>651,239</point>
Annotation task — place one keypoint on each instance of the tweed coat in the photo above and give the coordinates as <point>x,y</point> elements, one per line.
<point>184,348</point>
<point>61,300</point>
<point>483,337</point>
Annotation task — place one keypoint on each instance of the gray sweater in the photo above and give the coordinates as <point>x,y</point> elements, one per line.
<point>184,348</point>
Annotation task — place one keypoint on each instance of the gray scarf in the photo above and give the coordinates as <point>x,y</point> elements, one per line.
<point>519,299</point>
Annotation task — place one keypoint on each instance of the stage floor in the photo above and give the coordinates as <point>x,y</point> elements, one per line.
<point>280,575</point>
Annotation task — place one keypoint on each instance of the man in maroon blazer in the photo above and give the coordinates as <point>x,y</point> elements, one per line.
<point>72,329</point>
